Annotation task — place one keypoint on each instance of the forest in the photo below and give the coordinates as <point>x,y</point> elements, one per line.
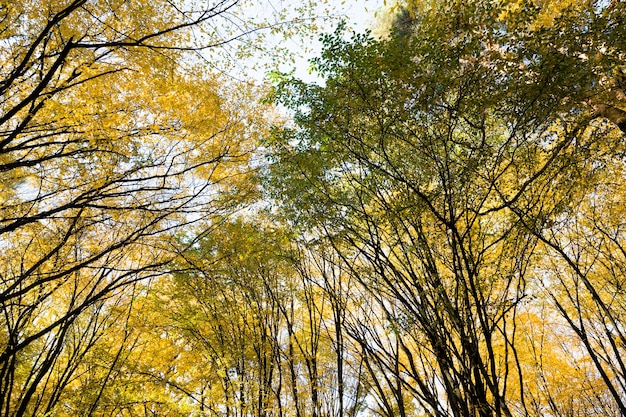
<point>435,227</point>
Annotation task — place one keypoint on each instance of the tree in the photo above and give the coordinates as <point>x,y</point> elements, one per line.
<point>440,164</point>
<point>112,138</point>
<point>251,309</point>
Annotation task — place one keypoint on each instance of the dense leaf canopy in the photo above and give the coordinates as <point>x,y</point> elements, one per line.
<point>436,228</point>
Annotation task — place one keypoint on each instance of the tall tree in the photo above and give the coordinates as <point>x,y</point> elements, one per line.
<point>112,137</point>
<point>440,162</point>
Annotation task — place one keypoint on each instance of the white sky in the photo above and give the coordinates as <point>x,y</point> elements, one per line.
<point>358,14</point>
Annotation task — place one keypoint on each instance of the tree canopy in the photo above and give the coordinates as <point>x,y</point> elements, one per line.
<point>436,228</point>
<point>455,166</point>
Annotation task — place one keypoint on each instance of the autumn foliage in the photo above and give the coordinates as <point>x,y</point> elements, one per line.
<point>435,229</point>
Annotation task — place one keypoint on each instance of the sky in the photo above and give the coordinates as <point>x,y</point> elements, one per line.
<point>358,15</point>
